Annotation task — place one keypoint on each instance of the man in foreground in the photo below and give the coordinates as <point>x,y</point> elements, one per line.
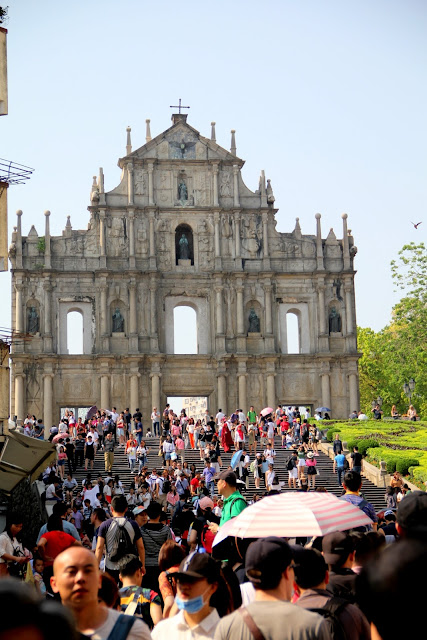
<point>76,578</point>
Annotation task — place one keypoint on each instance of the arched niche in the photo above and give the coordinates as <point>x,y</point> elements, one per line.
<point>200,306</point>
<point>252,308</point>
<point>83,307</point>
<point>184,244</point>
<point>300,311</point>
<point>335,318</point>
<point>33,317</point>
<point>118,317</point>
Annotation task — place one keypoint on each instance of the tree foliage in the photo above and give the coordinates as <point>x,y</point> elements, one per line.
<point>399,351</point>
<point>3,14</point>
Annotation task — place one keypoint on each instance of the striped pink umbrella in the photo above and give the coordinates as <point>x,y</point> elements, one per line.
<point>290,515</point>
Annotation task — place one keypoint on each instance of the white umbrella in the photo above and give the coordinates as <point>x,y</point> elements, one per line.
<point>266,411</point>
<point>291,515</point>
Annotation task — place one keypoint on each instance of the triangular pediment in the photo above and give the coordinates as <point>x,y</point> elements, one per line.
<point>181,142</point>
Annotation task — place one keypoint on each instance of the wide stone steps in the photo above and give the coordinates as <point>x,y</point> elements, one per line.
<point>326,477</point>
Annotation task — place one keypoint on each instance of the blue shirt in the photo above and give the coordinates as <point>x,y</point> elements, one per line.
<point>339,459</point>
<point>67,527</point>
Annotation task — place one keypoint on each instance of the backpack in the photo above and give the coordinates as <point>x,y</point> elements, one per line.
<point>207,538</point>
<point>166,486</point>
<point>125,545</point>
<point>330,611</point>
<point>346,465</point>
<point>290,465</point>
<point>252,466</point>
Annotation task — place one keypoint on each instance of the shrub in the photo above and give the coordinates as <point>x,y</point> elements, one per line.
<point>331,434</point>
<point>366,444</point>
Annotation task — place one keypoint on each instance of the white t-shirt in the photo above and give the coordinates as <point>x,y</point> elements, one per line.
<point>269,455</point>
<point>242,417</point>
<point>219,416</point>
<point>50,492</point>
<point>139,630</point>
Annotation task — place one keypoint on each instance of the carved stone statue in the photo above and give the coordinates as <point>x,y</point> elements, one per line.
<point>118,322</point>
<point>184,248</point>
<point>334,321</point>
<point>33,320</point>
<point>182,191</point>
<point>254,324</point>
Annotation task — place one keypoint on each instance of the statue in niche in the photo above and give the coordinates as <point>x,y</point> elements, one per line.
<point>118,322</point>
<point>254,323</point>
<point>225,186</point>
<point>184,248</point>
<point>33,320</point>
<point>334,321</point>
<point>182,191</point>
<point>337,288</point>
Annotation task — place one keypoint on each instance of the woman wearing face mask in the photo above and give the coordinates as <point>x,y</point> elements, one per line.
<point>202,597</point>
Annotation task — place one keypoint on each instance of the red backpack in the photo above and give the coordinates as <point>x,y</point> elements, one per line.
<point>207,538</point>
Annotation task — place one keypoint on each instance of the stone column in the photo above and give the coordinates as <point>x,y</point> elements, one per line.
<point>19,397</point>
<point>236,185</point>
<point>215,185</point>
<point>326,390</point>
<point>239,302</point>
<point>322,315</point>
<point>134,391</point>
<point>19,240</point>
<point>150,183</point>
<point>47,262</point>
<point>268,316</point>
<point>219,308</point>
<point>265,233</point>
<point>155,390</point>
<point>237,231</point>
<point>217,239</point>
<point>102,232</point>
<point>349,308</point>
<point>130,182</point>
<point>152,242</point>
<point>132,308</point>
<point>153,315</point>
<point>103,309</point>
<point>47,403</point>
<point>345,247</point>
<point>271,390</point>
<point>131,234</point>
<point>319,245</point>
<point>354,392</point>
<point>242,392</point>
<point>19,307</point>
<point>222,393</point>
<point>105,392</point>
<point>47,309</point>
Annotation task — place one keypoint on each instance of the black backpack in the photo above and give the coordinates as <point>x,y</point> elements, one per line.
<point>330,611</point>
<point>291,464</point>
<point>125,545</point>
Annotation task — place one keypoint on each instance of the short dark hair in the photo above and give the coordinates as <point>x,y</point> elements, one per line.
<point>310,567</point>
<point>54,523</point>
<point>100,514</point>
<point>352,480</point>
<point>59,508</point>
<point>131,567</point>
<point>119,504</point>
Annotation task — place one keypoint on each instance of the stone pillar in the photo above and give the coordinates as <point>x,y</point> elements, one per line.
<point>47,262</point>
<point>150,183</point>
<point>19,307</point>
<point>19,240</point>
<point>219,308</point>
<point>155,390</point>
<point>217,239</point>
<point>345,247</point>
<point>131,234</point>
<point>152,242</point>
<point>236,185</point>
<point>153,315</point>
<point>354,392</point>
<point>130,182</point>
<point>134,391</point>
<point>322,315</point>
<point>105,392</point>
<point>103,310</point>
<point>349,308</point>
<point>47,309</point>
<point>102,237</point>
<point>271,390</point>
<point>222,393</point>
<point>239,302</point>
<point>237,232</point>
<point>326,390</point>
<point>319,245</point>
<point>242,392</point>
<point>132,308</point>
<point>265,233</point>
<point>19,397</point>
<point>215,186</point>
<point>47,403</point>
<point>268,316</point>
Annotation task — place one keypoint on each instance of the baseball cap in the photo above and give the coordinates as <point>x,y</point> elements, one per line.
<point>138,510</point>
<point>228,476</point>
<point>266,560</point>
<point>412,513</point>
<point>206,503</point>
<point>336,547</point>
<point>197,566</point>
<point>389,512</point>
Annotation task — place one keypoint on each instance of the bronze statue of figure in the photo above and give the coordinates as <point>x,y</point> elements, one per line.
<point>184,248</point>
<point>33,320</point>
<point>334,321</point>
<point>182,191</point>
<point>254,323</point>
<point>118,322</point>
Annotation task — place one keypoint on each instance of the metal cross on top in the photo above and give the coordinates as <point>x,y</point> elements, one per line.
<point>178,106</point>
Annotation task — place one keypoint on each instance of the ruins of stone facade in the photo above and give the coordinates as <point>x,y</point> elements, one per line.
<point>182,228</point>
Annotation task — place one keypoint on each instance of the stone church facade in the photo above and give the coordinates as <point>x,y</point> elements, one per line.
<point>182,228</point>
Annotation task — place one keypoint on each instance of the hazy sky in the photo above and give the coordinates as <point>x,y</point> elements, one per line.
<point>329,97</point>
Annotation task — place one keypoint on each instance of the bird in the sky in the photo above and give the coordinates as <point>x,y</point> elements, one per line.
<point>416,225</point>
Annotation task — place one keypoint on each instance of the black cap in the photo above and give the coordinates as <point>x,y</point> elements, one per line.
<point>336,547</point>
<point>412,513</point>
<point>228,476</point>
<point>266,560</point>
<point>197,566</point>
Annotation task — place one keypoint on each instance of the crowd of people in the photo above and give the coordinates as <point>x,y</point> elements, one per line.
<point>138,559</point>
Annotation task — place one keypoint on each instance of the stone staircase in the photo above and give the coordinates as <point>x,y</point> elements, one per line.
<point>326,477</point>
